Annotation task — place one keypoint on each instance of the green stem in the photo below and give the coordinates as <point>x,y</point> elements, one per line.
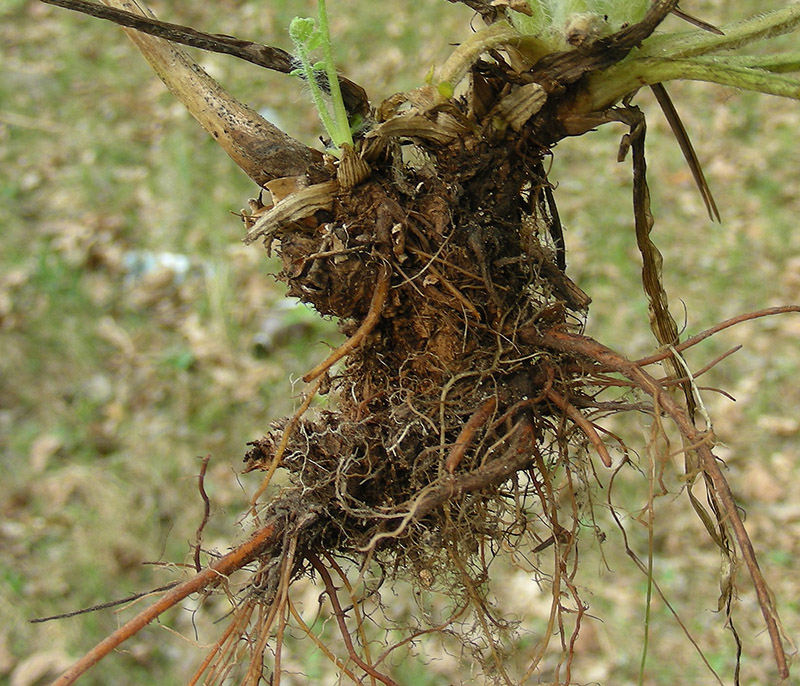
<point>650,578</point>
<point>685,55</point>
<point>736,35</point>
<point>316,92</point>
<point>340,134</point>
<point>782,63</point>
<point>607,88</point>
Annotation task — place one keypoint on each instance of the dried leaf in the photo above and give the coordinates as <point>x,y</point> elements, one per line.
<point>294,207</point>
<point>521,104</point>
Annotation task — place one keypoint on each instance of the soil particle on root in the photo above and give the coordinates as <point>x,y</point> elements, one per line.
<point>468,239</point>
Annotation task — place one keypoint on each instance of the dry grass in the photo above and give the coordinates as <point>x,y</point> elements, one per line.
<point>111,383</point>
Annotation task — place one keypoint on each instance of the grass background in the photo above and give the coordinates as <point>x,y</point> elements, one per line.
<point>117,371</point>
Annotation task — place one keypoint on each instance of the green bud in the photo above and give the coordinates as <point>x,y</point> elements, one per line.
<point>302,30</point>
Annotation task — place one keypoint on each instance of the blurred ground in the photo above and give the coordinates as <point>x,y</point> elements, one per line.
<point>137,333</point>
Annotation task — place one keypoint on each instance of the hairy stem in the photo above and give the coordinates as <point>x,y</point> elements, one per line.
<point>341,134</point>
<point>734,35</point>
<point>687,56</point>
<point>608,87</point>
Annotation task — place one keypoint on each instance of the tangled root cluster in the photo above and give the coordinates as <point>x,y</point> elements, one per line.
<point>450,419</point>
<point>462,410</point>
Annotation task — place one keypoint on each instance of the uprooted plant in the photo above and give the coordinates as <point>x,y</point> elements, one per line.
<point>466,397</point>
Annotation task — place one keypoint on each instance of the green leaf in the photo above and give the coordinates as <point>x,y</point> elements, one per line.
<point>315,41</point>
<point>445,89</point>
<point>302,30</point>
<point>307,38</point>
